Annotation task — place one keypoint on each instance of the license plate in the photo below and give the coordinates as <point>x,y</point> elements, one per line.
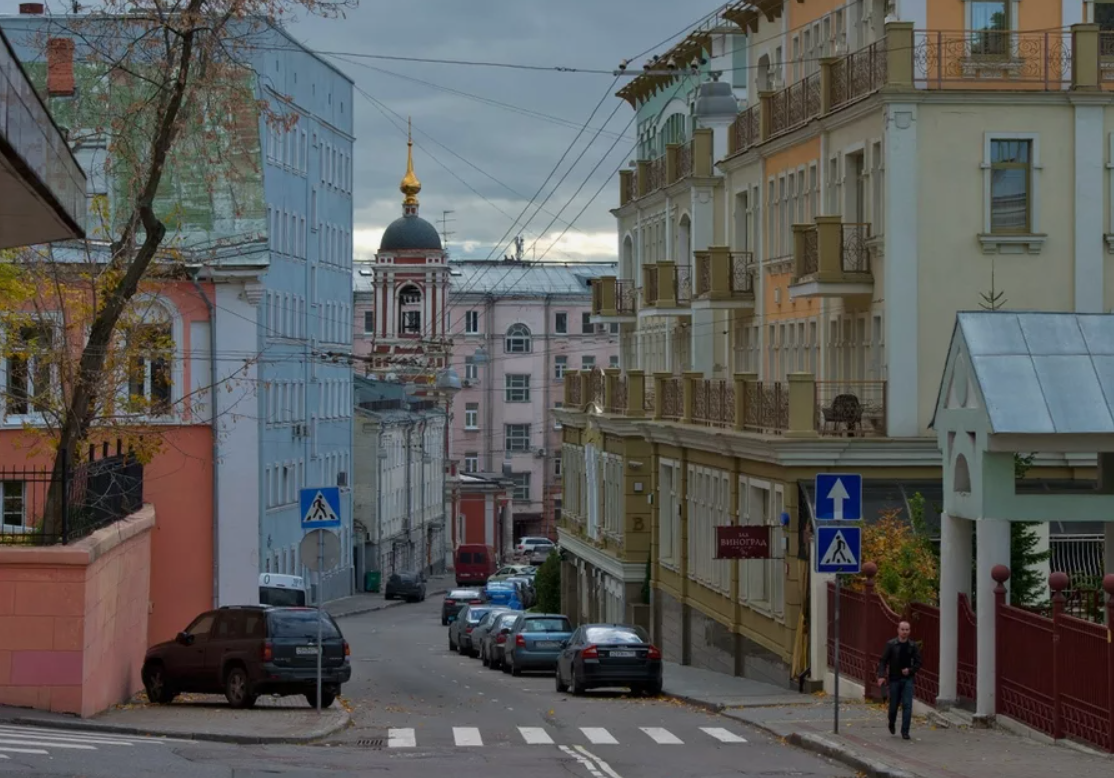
<point>623,654</point>
<point>303,650</point>
<point>547,644</point>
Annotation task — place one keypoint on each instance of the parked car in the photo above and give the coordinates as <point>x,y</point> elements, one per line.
<point>460,630</point>
<point>502,593</point>
<point>284,591</point>
<point>535,641</point>
<point>474,564</point>
<point>527,545</point>
<point>249,650</point>
<point>508,570</point>
<point>527,593</point>
<point>406,586</point>
<point>540,554</point>
<point>603,655</point>
<point>491,649</point>
<point>457,599</point>
<point>486,623</point>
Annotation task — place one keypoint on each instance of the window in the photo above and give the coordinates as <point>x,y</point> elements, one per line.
<point>990,24</point>
<point>557,467</point>
<point>471,322</point>
<point>29,369</point>
<point>471,369</point>
<point>586,323</point>
<point>11,504</point>
<point>471,462</point>
<point>150,349</point>
<point>521,490</point>
<point>588,362</point>
<point>560,367</point>
<point>518,388</point>
<point>472,416</point>
<point>561,323</point>
<point>369,321</point>
<point>518,339</point>
<point>613,360</point>
<point>410,310</point>
<point>1009,185</point>
<point>516,438</point>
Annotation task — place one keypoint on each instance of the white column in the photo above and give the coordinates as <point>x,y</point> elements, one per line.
<point>818,635</point>
<point>1089,203</point>
<point>900,293</point>
<point>1043,569</point>
<point>955,578</point>
<point>992,537</point>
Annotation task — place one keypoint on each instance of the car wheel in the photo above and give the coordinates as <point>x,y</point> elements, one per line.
<point>444,622</point>
<point>653,689</point>
<point>505,666</point>
<point>237,688</point>
<point>460,649</point>
<point>515,669</point>
<point>327,698</point>
<point>562,687</point>
<point>385,597</point>
<point>158,690</point>
<point>452,646</point>
<point>577,687</point>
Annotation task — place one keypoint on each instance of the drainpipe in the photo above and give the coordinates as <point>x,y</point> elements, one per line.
<point>216,437</point>
<point>547,423</point>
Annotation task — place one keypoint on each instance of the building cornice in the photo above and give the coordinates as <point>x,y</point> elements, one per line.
<point>626,572</point>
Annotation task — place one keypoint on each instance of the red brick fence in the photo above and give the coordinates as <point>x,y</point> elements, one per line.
<point>1055,675</point>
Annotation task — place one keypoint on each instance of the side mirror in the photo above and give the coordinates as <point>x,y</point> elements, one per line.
<point>185,638</point>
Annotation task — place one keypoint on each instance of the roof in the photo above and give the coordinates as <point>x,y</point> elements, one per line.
<point>410,233</point>
<point>526,279</point>
<point>1040,373</point>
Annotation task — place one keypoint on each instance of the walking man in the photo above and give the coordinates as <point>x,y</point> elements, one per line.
<point>901,659</point>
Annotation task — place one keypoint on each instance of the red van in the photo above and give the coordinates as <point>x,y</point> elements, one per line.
<point>474,564</point>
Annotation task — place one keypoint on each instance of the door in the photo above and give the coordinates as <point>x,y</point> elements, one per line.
<point>188,664</point>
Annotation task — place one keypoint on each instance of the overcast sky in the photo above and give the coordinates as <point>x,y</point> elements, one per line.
<point>456,137</point>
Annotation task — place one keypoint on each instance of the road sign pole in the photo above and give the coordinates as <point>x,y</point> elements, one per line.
<point>320,599</point>
<point>836,653</point>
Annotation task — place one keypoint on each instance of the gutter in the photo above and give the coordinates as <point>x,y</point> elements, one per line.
<point>216,437</point>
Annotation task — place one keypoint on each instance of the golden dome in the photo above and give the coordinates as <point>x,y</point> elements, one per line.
<point>410,185</point>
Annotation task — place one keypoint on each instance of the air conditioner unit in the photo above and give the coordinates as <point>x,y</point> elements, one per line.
<point>540,453</point>
<point>468,383</point>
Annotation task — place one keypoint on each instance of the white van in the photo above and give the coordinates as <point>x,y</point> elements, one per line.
<point>283,591</point>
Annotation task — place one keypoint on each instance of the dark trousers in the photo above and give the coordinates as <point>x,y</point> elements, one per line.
<point>901,692</point>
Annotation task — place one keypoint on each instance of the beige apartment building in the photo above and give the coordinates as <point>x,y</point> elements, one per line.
<point>791,266</point>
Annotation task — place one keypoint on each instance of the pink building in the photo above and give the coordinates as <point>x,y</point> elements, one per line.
<point>516,327</point>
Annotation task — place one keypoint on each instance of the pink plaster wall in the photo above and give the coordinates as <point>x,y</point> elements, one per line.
<point>73,619</point>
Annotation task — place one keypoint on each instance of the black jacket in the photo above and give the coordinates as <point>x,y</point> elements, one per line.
<point>890,664</point>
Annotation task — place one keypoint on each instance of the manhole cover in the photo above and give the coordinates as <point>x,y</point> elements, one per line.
<point>375,742</point>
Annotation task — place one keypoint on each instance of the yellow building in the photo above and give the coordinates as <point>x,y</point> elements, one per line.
<point>790,279</point>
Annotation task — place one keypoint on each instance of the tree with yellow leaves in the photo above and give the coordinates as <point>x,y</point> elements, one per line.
<point>908,570</point>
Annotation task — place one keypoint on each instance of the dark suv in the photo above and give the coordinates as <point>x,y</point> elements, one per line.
<point>248,650</point>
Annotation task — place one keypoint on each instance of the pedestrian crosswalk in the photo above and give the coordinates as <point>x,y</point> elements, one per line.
<point>471,737</point>
<point>43,741</point>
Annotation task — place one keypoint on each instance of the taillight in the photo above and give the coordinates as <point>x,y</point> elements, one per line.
<point>347,649</point>
<point>500,638</point>
<point>450,602</point>
<point>268,651</point>
<point>590,652</point>
<point>475,602</point>
<point>520,641</point>
<point>469,629</point>
<point>654,653</point>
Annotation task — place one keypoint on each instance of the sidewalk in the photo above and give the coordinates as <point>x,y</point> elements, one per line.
<point>201,717</point>
<point>369,602</point>
<point>865,744</point>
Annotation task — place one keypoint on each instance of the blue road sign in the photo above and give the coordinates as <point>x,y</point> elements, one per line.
<point>320,507</point>
<point>839,549</point>
<point>839,497</point>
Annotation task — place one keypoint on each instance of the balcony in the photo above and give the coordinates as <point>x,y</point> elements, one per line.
<point>680,162</point>
<point>613,301</point>
<point>831,259</point>
<point>666,290</point>
<point>724,279</point>
<point>993,59</point>
<point>42,187</point>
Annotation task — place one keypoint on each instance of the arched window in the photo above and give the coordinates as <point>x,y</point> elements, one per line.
<point>518,339</point>
<point>149,343</point>
<point>409,310</point>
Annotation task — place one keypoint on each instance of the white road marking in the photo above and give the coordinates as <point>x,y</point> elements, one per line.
<point>467,736</point>
<point>21,742</point>
<point>662,736</point>
<point>66,738</point>
<point>723,735</point>
<point>536,736</point>
<point>588,763</point>
<point>20,751</point>
<point>599,736</point>
<point>401,738</point>
<point>87,734</point>
<point>604,766</point>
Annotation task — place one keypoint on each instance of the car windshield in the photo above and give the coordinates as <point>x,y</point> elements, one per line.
<point>498,585</point>
<point>612,635</point>
<point>281,598</point>
<point>300,624</point>
<point>475,615</point>
<point>507,619</point>
<point>552,624</point>
<point>464,594</point>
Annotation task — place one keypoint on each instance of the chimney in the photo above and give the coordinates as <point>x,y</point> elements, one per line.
<point>31,9</point>
<point>59,67</point>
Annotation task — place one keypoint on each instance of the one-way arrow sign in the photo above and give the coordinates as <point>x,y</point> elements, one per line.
<point>839,497</point>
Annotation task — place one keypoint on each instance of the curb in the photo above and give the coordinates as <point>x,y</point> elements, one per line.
<point>711,707</point>
<point>381,606</point>
<point>82,725</point>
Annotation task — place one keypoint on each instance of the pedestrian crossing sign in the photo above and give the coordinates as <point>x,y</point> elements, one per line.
<point>320,507</point>
<point>839,549</point>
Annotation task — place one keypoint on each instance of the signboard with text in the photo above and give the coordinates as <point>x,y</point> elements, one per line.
<point>743,542</point>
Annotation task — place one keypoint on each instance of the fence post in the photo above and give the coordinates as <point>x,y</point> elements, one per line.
<point>1058,581</point>
<point>1108,586</point>
<point>870,680</point>
<point>1000,574</point>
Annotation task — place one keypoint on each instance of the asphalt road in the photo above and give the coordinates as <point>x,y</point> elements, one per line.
<point>421,711</point>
